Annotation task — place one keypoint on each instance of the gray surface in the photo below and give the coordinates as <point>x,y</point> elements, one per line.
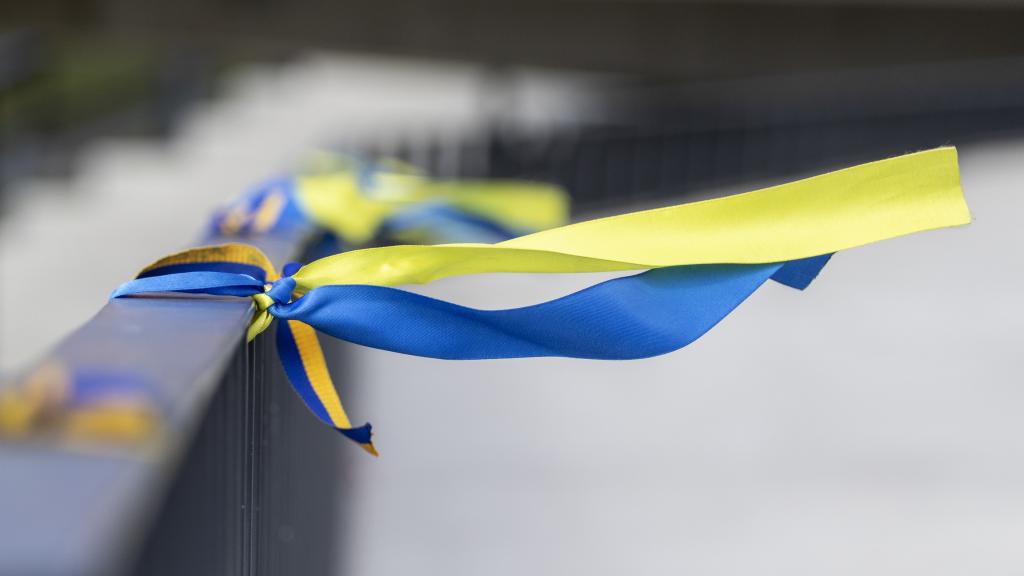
<point>870,425</point>
<point>68,512</point>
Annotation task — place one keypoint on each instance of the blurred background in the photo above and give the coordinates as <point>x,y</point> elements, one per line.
<point>868,425</point>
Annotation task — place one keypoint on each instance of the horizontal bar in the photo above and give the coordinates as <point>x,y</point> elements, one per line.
<point>67,510</point>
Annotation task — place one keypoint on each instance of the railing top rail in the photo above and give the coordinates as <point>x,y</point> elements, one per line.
<point>81,509</point>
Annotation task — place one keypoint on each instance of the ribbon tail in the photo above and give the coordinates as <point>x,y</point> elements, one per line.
<point>631,317</point>
<point>303,362</point>
<point>800,273</point>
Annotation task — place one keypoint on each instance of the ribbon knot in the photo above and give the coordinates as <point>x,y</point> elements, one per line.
<point>242,270</point>
<point>279,292</point>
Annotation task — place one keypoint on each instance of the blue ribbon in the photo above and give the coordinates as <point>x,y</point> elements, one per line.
<point>441,222</point>
<point>637,316</point>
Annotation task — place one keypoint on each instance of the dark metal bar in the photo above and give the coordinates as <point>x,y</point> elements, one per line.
<point>69,511</point>
<point>276,513</point>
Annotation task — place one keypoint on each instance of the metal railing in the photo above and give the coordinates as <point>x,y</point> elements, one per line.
<point>258,491</point>
<point>198,499</point>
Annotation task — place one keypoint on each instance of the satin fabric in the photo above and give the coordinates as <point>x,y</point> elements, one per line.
<point>698,262</point>
<point>358,200</point>
<point>803,219</point>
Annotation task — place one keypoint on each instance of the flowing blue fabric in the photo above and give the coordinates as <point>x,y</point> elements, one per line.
<point>632,317</point>
<point>800,273</point>
<point>637,316</point>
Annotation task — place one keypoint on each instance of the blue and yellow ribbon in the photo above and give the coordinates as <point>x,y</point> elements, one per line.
<point>357,200</point>
<point>81,405</point>
<point>696,263</point>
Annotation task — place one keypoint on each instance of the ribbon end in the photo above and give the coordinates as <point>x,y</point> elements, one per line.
<point>800,273</point>
<point>361,435</point>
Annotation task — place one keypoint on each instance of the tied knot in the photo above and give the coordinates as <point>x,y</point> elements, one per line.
<point>280,292</point>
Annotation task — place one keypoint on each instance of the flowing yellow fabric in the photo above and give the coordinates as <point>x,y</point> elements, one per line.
<point>335,202</point>
<point>809,217</point>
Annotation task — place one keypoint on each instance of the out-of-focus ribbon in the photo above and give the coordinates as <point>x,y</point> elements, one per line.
<point>81,404</point>
<point>356,200</point>
<point>699,261</point>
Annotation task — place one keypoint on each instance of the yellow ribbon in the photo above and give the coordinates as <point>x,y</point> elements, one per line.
<point>809,217</point>
<point>337,202</point>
